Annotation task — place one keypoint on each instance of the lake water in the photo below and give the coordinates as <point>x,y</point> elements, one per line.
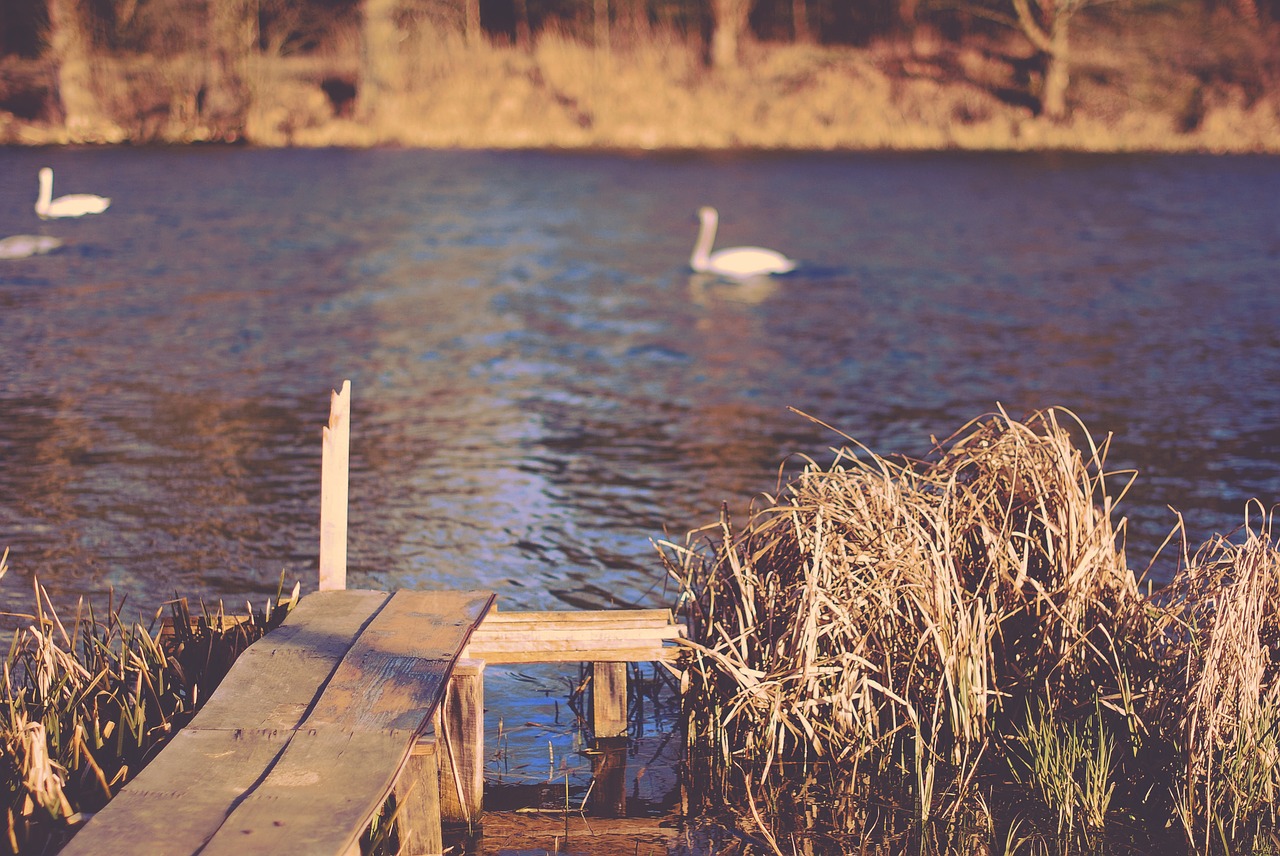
<point>541,388</point>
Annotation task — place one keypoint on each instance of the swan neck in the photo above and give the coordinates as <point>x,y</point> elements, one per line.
<point>46,192</point>
<point>700,260</point>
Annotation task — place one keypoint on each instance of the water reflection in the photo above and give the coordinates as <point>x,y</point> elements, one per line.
<point>540,386</point>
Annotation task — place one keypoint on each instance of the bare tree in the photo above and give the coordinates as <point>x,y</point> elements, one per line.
<point>72,48</point>
<point>1047,25</point>
<point>729,25</point>
<point>379,66</point>
<point>233,29</point>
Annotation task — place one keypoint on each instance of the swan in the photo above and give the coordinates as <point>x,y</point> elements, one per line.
<point>25,246</point>
<point>733,262</point>
<point>74,205</point>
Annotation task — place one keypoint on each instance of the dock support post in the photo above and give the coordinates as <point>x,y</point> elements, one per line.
<point>609,700</point>
<point>418,802</point>
<point>334,465</point>
<point>460,727</point>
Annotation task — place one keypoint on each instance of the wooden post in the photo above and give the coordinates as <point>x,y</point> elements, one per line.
<point>608,777</point>
<point>334,459</point>
<point>460,727</point>
<point>418,802</point>
<point>609,700</point>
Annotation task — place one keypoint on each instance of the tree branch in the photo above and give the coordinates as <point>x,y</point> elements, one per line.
<point>1034,31</point>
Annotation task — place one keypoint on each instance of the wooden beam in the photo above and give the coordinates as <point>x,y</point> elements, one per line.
<point>608,700</point>
<point>334,466</point>
<point>418,802</point>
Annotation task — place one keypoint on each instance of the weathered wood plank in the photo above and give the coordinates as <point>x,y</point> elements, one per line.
<point>615,617</point>
<point>179,800</point>
<point>593,633</point>
<point>275,681</point>
<point>394,674</point>
<point>318,797</point>
<point>551,652</point>
<point>341,764</point>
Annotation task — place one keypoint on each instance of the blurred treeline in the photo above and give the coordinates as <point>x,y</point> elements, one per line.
<point>83,64</point>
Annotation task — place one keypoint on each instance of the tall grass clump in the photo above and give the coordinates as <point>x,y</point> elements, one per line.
<point>953,650</point>
<point>1220,699</point>
<point>86,702</point>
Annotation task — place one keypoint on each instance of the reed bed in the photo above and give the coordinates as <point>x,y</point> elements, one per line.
<point>952,655</point>
<point>86,702</point>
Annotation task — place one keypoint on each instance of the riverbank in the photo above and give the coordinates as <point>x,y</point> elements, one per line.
<point>1166,84</point>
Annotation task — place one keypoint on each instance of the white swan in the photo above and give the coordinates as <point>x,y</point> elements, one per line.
<point>732,262</point>
<point>74,205</point>
<point>25,246</point>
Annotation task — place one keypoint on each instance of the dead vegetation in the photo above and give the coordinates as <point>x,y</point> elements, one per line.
<point>953,654</point>
<point>85,702</point>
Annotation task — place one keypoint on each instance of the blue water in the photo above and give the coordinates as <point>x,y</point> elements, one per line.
<point>541,388</point>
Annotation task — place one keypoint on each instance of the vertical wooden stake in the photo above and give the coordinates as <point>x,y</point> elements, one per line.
<point>334,459</point>
<point>418,802</point>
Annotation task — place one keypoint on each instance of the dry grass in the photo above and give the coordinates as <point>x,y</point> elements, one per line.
<point>85,703</point>
<point>897,650</point>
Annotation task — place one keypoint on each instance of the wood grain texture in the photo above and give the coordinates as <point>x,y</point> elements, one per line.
<point>621,635</point>
<point>394,674</point>
<point>275,681</point>
<point>303,741</point>
<point>317,798</point>
<point>179,800</point>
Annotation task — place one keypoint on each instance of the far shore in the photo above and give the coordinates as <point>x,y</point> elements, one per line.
<point>1158,84</point>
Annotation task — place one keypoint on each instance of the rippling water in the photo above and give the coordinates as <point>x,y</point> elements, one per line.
<point>540,388</point>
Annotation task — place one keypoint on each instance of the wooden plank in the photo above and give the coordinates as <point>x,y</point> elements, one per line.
<point>275,681</point>
<point>179,800</point>
<point>579,634</point>
<point>615,617</point>
<point>334,466</point>
<point>318,797</point>
<point>394,674</point>
<point>238,733</point>
<point>572,653</point>
<point>340,766</point>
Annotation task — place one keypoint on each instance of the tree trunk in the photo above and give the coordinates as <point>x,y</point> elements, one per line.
<point>907,10</point>
<point>633,21</point>
<point>471,14</point>
<point>729,24</point>
<point>524,33</point>
<point>72,49</point>
<point>233,30</point>
<point>600,20</point>
<point>801,31</point>
<point>1050,37</point>
<point>1057,72</point>
<point>379,67</point>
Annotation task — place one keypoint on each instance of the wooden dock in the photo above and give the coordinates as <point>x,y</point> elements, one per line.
<point>359,701</point>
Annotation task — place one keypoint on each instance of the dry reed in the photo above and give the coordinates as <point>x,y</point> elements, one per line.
<point>86,703</point>
<point>888,648</point>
